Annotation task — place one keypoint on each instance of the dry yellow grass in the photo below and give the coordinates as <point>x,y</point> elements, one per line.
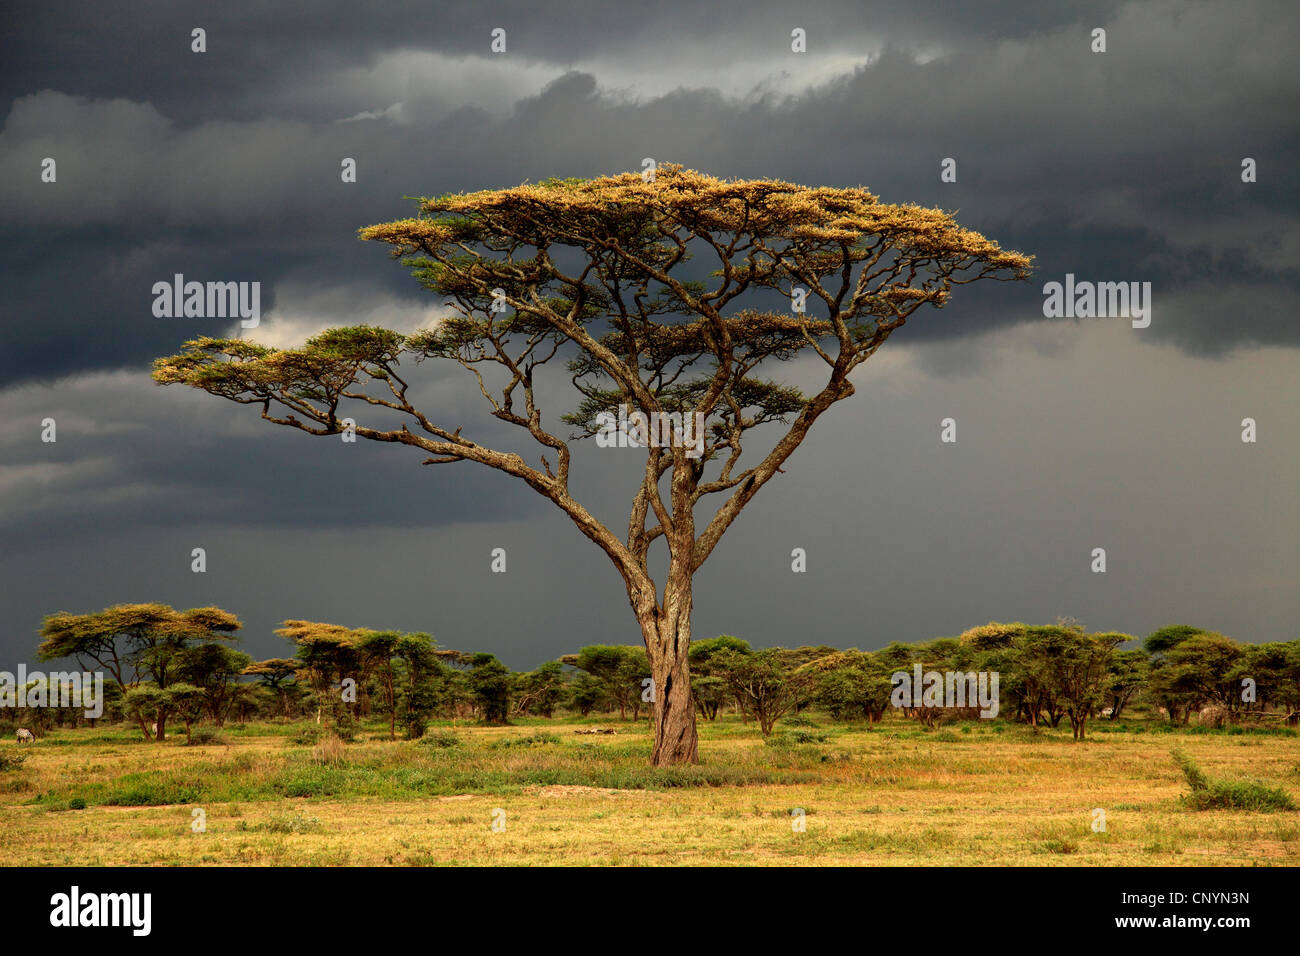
<point>893,797</point>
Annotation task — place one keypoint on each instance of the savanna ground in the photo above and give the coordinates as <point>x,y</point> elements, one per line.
<point>978,793</point>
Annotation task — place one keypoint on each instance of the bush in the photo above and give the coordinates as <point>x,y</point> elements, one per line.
<point>345,726</point>
<point>1061,846</point>
<point>149,790</point>
<point>311,734</point>
<point>76,803</point>
<point>538,739</point>
<point>1210,794</point>
<point>1195,778</point>
<point>1240,795</point>
<point>808,737</point>
<point>795,720</point>
<point>440,738</point>
<point>11,761</point>
<point>204,735</point>
<point>284,823</point>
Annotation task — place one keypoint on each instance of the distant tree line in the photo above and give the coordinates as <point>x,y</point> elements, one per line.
<point>166,666</point>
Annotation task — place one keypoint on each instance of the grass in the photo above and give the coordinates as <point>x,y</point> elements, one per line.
<point>981,793</point>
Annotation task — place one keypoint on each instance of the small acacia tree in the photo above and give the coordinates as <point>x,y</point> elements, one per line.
<point>328,654</point>
<point>276,674</point>
<point>619,669</point>
<point>135,643</point>
<point>601,270</point>
<point>767,684</point>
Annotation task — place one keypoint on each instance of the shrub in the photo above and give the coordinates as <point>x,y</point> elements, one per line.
<point>1195,778</point>
<point>204,735</point>
<point>310,734</point>
<point>345,726</point>
<point>149,790</point>
<point>538,739</point>
<point>440,738</point>
<point>76,803</point>
<point>1210,794</point>
<point>11,761</point>
<point>808,737</point>
<point>1240,795</point>
<point>797,720</point>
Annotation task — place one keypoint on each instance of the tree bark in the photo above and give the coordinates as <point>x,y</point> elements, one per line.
<point>676,741</point>
<point>667,634</point>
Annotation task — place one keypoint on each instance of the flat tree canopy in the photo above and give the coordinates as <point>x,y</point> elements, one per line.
<point>646,290</point>
<point>134,642</point>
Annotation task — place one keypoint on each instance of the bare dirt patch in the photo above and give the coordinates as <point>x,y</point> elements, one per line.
<point>576,791</point>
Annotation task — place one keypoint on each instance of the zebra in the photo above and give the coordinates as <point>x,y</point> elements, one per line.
<point>25,736</point>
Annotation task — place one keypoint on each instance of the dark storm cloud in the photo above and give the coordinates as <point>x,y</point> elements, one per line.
<point>1121,166</point>
<point>141,50</point>
<point>131,454</point>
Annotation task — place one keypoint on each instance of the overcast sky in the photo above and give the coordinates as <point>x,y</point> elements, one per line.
<point>1072,434</point>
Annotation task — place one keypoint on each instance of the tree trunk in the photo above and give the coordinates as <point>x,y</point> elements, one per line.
<point>676,741</point>
<point>667,634</point>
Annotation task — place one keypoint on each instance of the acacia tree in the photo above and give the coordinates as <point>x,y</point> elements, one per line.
<point>1077,665</point>
<point>620,671</point>
<point>490,681</point>
<point>767,684</point>
<point>424,681</point>
<point>601,271</point>
<point>134,643</point>
<point>708,686</point>
<point>215,670</point>
<point>1128,675</point>
<point>853,685</point>
<point>378,648</point>
<point>540,690</point>
<point>328,653</point>
<point>1170,685</point>
<point>275,675</point>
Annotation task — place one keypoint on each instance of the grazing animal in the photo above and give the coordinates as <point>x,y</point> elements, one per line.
<point>1213,715</point>
<point>25,736</point>
<point>153,729</point>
